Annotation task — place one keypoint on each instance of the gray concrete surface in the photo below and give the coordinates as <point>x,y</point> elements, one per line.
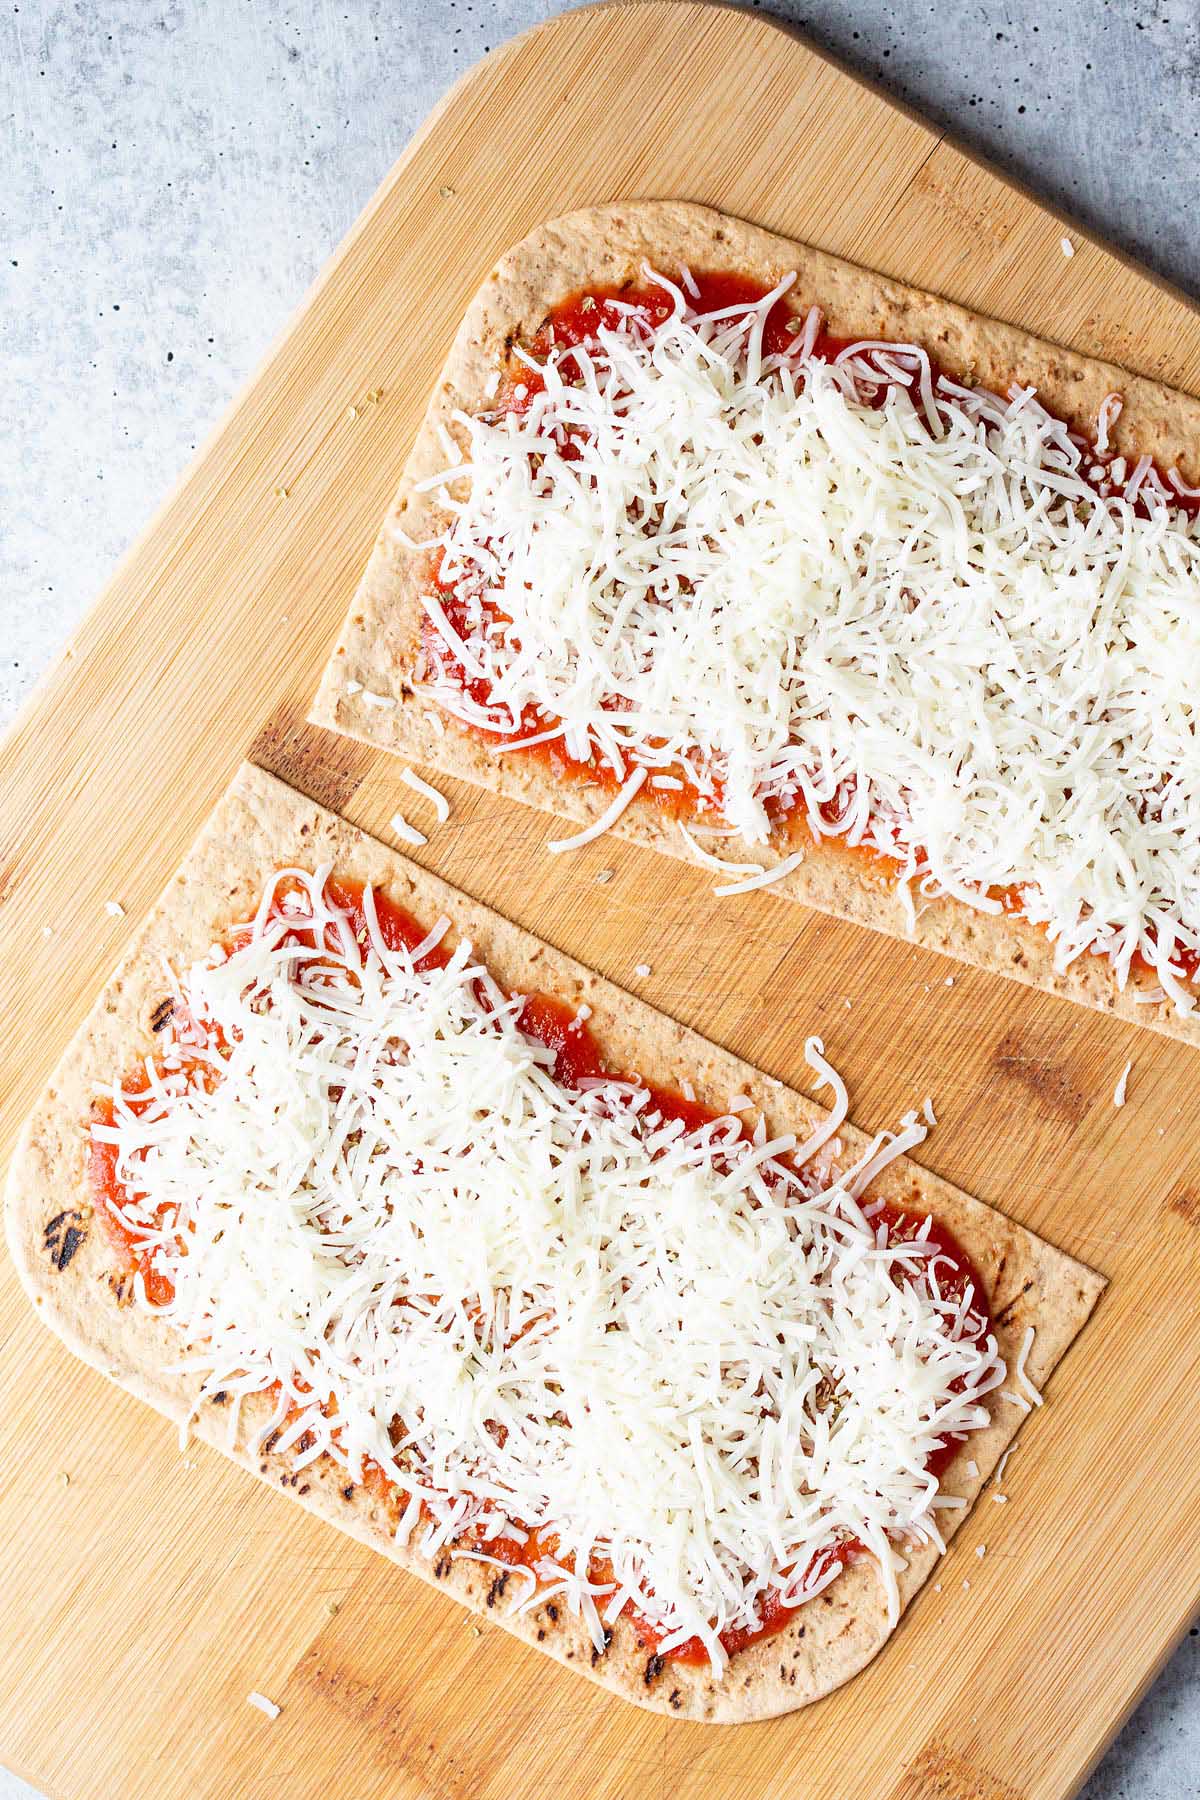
<point>174,174</point>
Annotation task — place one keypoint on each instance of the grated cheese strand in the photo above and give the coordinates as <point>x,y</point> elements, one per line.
<point>408,834</point>
<point>427,791</point>
<point>605,821</point>
<point>764,878</point>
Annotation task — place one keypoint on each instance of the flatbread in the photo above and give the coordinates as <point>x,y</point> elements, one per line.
<point>70,1274</point>
<point>605,245</point>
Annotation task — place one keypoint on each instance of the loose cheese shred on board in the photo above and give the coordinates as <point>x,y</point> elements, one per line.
<point>264,1705</point>
<point>1066,246</point>
<point>428,792</point>
<point>1119,1092</point>
<point>919,615</point>
<point>387,1211</point>
<point>814,1056</point>
<point>114,909</point>
<point>408,834</point>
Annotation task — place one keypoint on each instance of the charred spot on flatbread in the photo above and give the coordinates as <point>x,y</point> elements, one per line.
<point>497,1587</point>
<point>63,1236</point>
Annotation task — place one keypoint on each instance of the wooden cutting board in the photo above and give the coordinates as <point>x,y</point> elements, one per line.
<point>145,1590</point>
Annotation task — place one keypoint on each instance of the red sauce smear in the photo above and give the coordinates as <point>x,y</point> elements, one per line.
<point>576,321</point>
<point>577,1056</point>
<point>106,1191</point>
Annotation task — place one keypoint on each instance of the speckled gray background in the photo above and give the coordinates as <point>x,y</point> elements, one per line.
<point>173,175</point>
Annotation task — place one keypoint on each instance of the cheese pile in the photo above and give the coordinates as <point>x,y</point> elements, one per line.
<point>926,616</point>
<point>696,1368</point>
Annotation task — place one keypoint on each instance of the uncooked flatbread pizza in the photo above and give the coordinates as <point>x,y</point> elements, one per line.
<point>764,560</point>
<point>664,1367</point>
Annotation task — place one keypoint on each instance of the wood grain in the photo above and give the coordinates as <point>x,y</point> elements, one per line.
<point>145,1598</point>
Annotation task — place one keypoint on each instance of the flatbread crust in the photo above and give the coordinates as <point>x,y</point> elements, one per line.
<point>68,1269</point>
<point>606,245</point>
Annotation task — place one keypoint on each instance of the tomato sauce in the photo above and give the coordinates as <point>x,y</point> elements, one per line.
<point>104,1187</point>
<point>578,319</point>
<point>577,1057</point>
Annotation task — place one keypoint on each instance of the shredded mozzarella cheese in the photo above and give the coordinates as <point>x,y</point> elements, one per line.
<point>921,615</point>
<point>408,834</point>
<point>534,1306</point>
<point>1029,1393</point>
<point>427,791</point>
